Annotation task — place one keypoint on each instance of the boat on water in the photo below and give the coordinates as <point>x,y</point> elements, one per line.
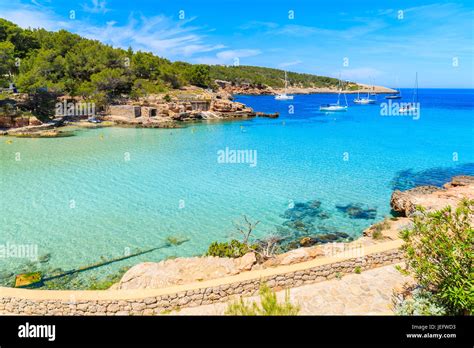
<point>364,101</point>
<point>367,100</point>
<point>332,108</point>
<point>411,108</point>
<point>284,95</point>
<point>396,95</point>
<point>336,107</point>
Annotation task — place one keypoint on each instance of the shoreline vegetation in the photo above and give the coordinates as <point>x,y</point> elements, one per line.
<point>44,69</point>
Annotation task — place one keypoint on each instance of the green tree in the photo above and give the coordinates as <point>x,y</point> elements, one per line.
<point>7,58</point>
<point>23,40</point>
<point>146,65</point>
<point>44,69</point>
<point>200,75</point>
<point>111,81</point>
<point>171,77</point>
<point>142,88</point>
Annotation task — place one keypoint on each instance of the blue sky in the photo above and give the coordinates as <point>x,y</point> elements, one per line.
<point>382,42</point>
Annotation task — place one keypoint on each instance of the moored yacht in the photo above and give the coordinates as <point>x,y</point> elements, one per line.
<point>364,101</point>
<point>411,108</point>
<point>337,106</point>
<point>284,96</point>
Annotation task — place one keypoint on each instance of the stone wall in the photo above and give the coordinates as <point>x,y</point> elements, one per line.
<point>159,300</point>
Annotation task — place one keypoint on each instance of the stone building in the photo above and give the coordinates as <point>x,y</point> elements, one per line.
<point>129,111</point>
<point>147,111</point>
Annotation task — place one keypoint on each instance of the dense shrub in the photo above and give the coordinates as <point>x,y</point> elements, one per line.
<point>268,305</point>
<point>439,253</point>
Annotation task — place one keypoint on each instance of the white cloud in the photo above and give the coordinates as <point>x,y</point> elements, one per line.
<point>31,18</point>
<point>159,34</point>
<point>98,6</point>
<point>228,57</point>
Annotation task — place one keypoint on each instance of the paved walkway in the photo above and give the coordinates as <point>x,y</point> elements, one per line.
<point>358,294</point>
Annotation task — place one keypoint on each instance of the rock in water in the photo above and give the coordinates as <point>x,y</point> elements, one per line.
<point>358,211</point>
<point>306,241</point>
<point>44,258</point>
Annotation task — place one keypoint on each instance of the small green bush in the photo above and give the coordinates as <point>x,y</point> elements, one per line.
<point>377,234</point>
<point>269,305</point>
<point>234,248</point>
<point>378,228</point>
<point>357,270</point>
<point>421,303</point>
<point>438,251</point>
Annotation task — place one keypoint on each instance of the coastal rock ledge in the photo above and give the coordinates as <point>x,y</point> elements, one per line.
<point>432,197</point>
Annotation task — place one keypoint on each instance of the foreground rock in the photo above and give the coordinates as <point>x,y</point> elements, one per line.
<point>431,197</point>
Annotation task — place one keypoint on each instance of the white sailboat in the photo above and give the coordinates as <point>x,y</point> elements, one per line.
<point>365,101</point>
<point>284,96</point>
<point>411,108</point>
<point>337,106</point>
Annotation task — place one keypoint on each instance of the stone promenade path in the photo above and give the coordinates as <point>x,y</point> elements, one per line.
<point>368,293</point>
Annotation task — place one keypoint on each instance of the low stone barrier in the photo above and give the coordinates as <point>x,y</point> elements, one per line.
<point>156,301</point>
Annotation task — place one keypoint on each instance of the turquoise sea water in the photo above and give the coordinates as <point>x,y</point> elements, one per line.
<point>80,199</point>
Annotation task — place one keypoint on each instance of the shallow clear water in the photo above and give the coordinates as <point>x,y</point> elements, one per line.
<point>79,199</point>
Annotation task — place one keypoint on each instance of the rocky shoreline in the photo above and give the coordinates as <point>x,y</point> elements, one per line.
<point>165,110</point>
